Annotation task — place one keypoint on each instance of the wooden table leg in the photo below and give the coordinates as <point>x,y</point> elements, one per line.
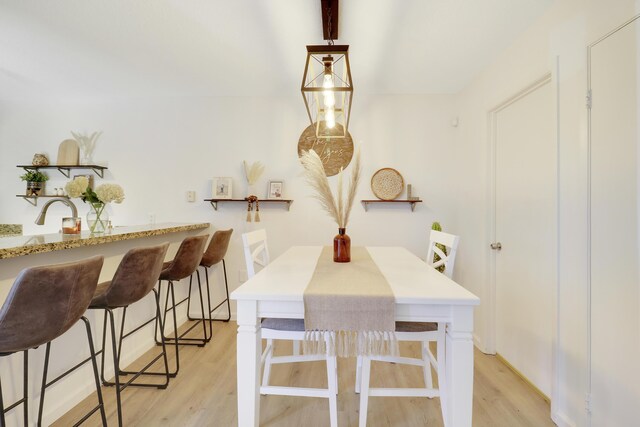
<point>248,360</point>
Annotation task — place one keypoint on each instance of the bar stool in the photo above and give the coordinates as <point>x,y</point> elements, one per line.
<point>44,303</point>
<point>215,253</point>
<point>133,280</point>
<point>183,265</point>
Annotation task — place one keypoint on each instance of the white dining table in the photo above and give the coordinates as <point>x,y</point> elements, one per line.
<point>422,294</point>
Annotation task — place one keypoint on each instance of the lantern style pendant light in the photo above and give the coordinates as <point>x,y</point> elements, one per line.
<point>327,88</point>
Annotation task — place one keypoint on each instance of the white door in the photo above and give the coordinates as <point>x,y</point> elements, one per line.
<point>615,289</point>
<point>525,226</point>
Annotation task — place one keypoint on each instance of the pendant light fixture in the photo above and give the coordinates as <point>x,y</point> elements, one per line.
<point>327,88</point>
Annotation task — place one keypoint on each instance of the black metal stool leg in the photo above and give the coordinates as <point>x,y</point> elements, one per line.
<point>104,341</point>
<point>116,363</point>
<point>94,364</point>
<point>25,390</point>
<point>226,288</point>
<point>44,382</point>
<point>175,329</point>
<point>3,423</point>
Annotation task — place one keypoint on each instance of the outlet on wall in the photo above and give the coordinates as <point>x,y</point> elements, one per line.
<point>152,218</point>
<point>191,196</point>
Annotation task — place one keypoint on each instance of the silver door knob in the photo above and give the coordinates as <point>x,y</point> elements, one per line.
<point>496,246</point>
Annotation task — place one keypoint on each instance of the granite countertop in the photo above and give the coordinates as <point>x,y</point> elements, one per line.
<point>11,247</point>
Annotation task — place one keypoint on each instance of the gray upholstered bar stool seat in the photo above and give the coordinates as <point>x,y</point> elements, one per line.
<point>183,265</point>
<point>214,254</point>
<point>134,279</point>
<point>44,303</point>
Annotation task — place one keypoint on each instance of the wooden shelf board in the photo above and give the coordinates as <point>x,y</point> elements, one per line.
<point>214,202</point>
<point>411,202</point>
<point>99,170</point>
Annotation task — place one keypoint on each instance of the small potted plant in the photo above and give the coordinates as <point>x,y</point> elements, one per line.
<point>35,182</point>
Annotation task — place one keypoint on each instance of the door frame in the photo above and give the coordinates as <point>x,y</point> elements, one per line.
<point>492,122</point>
<point>589,159</point>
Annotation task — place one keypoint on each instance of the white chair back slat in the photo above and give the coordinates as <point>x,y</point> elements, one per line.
<point>259,255</point>
<point>450,242</point>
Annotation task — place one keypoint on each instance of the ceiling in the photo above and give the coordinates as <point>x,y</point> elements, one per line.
<point>89,48</point>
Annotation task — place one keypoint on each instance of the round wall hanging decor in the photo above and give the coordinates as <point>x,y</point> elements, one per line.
<point>387,184</point>
<point>335,153</point>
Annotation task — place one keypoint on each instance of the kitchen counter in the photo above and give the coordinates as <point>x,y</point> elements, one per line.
<point>11,247</point>
<point>20,252</point>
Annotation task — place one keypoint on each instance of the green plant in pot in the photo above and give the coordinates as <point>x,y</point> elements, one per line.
<point>35,182</point>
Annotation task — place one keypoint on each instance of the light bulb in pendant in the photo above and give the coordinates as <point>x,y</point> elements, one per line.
<point>330,118</point>
<point>329,97</point>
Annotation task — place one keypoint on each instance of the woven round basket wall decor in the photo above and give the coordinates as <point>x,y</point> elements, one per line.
<point>387,184</point>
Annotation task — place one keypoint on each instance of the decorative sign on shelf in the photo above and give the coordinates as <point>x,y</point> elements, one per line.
<point>387,184</point>
<point>335,153</point>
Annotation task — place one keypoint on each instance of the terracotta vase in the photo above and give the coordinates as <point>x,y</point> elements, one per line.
<point>341,247</point>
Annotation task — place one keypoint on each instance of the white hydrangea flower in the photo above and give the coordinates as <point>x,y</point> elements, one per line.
<point>77,186</point>
<point>108,193</point>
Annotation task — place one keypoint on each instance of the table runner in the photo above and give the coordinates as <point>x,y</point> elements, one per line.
<point>349,308</point>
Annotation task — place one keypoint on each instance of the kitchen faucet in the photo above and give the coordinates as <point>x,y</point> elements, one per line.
<point>43,212</point>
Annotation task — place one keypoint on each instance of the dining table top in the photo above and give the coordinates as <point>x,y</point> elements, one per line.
<point>411,279</point>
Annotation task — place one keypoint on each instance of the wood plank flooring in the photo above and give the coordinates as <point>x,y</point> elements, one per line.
<point>204,394</point>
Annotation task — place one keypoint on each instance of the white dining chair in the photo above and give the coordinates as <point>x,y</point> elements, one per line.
<point>450,242</point>
<point>423,332</point>
<point>256,252</point>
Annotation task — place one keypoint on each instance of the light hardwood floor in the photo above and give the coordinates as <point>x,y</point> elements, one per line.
<point>204,394</point>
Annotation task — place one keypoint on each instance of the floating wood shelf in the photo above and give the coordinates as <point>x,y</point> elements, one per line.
<point>366,203</point>
<point>66,169</point>
<point>214,202</point>
<point>34,199</point>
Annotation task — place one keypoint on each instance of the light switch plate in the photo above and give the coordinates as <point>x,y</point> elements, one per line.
<point>191,196</point>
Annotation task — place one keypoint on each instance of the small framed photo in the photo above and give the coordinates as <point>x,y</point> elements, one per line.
<point>222,188</point>
<point>275,189</point>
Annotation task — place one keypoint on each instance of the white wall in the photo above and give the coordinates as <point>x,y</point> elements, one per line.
<point>559,37</point>
<point>159,148</point>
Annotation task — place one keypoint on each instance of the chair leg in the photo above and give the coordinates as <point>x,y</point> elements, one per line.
<point>364,390</point>
<point>333,390</point>
<point>44,382</point>
<point>2,420</point>
<point>226,289</point>
<point>175,330</point>
<point>25,391</point>
<point>96,377</point>
<point>161,322</point>
<point>358,373</point>
<point>116,362</point>
<point>143,371</point>
<point>426,365</point>
<point>266,370</point>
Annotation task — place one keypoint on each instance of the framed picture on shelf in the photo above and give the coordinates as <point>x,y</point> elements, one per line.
<point>222,188</point>
<point>275,189</point>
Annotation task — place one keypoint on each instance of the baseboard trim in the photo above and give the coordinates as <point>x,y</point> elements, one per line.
<point>525,379</point>
<point>562,420</point>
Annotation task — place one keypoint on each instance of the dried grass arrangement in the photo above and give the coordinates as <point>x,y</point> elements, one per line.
<point>338,207</point>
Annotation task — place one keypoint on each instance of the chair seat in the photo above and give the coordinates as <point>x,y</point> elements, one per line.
<point>283,324</point>
<point>416,326</point>
<point>99,299</point>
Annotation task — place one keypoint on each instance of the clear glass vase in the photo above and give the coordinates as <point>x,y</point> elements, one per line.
<point>97,218</point>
